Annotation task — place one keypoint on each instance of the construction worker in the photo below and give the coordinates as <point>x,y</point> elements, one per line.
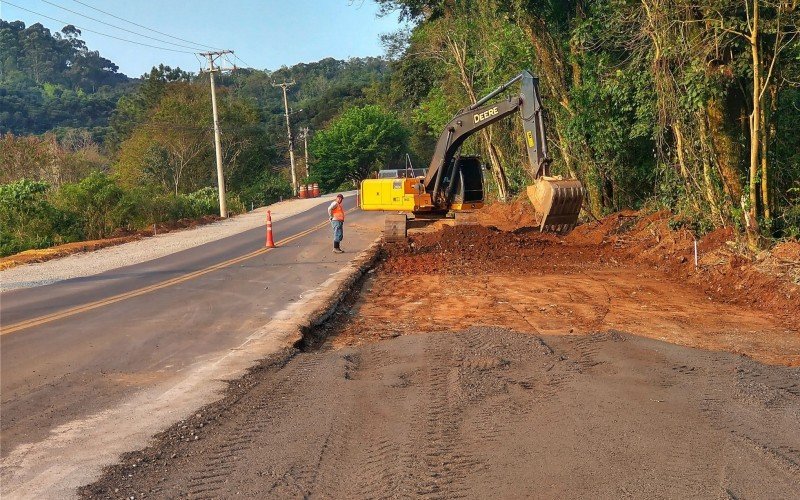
<point>336,214</point>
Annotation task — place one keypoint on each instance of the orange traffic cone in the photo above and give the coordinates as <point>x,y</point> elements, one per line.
<point>270,242</point>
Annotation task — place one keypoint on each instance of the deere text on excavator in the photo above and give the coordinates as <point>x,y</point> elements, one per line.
<point>454,182</point>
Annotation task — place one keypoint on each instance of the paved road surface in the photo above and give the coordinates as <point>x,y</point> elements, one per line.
<point>58,371</point>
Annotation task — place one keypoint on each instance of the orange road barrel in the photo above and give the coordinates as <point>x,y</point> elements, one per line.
<point>315,190</point>
<point>303,191</point>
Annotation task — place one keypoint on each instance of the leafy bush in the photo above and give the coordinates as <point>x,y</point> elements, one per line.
<point>266,190</point>
<point>97,201</point>
<point>36,216</point>
<point>30,220</point>
<point>204,201</point>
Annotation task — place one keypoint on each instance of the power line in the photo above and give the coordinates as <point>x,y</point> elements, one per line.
<point>98,32</point>
<point>120,27</point>
<point>142,26</point>
<point>243,61</point>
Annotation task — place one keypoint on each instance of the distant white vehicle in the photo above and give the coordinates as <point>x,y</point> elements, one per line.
<point>401,173</point>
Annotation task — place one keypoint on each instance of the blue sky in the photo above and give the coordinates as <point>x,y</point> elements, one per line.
<point>266,34</point>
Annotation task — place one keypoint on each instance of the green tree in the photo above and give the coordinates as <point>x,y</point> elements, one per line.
<point>360,141</point>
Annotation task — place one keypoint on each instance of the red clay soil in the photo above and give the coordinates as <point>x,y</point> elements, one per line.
<point>722,274</point>
<point>627,272</point>
<point>768,281</point>
<point>518,214</point>
<point>119,237</point>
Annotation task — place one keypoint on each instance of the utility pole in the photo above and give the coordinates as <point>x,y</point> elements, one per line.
<point>213,56</point>
<point>284,86</point>
<point>305,147</point>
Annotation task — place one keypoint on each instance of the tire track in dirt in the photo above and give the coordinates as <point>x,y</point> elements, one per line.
<point>487,412</point>
<point>246,427</point>
<point>382,458</point>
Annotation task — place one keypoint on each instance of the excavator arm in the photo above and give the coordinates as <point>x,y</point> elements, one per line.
<point>480,115</point>
<point>460,128</point>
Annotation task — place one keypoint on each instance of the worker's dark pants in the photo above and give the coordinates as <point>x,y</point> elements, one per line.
<point>338,232</point>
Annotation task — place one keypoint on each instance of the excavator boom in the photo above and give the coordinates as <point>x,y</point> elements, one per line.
<point>557,201</point>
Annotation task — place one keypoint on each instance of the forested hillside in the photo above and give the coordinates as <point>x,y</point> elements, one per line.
<point>682,104</point>
<point>50,80</point>
<point>81,142</point>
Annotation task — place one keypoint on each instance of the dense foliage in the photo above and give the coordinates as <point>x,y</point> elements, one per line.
<point>36,215</point>
<point>684,104</point>
<point>362,140</point>
<point>54,80</point>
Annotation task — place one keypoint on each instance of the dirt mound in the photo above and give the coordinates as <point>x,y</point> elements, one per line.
<point>45,254</point>
<point>518,214</point>
<point>471,249</point>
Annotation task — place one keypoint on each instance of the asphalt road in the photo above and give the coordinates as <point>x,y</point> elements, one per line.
<point>123,330</point>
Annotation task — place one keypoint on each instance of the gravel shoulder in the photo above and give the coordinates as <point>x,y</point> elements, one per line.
<point>105,259</point>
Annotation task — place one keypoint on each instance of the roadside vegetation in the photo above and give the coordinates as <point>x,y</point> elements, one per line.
<point>148,157</point>
<point>680,105</point>
<point>675,104</point>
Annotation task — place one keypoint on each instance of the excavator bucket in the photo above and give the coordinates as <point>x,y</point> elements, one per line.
<point>558,202</point>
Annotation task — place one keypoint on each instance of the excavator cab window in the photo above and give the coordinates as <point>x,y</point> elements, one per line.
<point>469,182</point>
<point>471,189</point>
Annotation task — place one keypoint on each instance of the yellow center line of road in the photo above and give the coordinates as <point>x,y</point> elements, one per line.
<point>22,325</point>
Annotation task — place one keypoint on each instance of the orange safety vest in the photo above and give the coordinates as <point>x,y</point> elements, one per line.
<point>338,212</point>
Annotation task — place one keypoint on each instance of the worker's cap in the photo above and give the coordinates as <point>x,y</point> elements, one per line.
<point>340,196</point>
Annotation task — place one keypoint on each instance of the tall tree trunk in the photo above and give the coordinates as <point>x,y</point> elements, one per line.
<point>764,173</point>
<point>459,54</point>
<point>688,178</point>
<point>768,129</point>
<point>708,183</point>
<point>727,153</point>
<point>755,129</point>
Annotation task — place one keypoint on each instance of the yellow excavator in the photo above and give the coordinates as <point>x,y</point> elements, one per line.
<point>454,183</point>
